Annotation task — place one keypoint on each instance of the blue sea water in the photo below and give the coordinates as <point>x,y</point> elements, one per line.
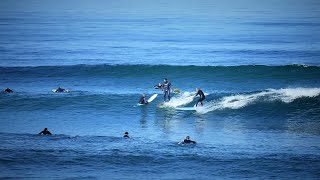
<point>257,62</point>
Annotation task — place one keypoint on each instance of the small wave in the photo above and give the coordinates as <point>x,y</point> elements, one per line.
<point>286,95</point>
<point>180,100</point>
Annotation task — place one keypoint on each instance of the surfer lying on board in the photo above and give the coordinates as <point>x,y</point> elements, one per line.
<point>143,99</point>
<point>8,90</point>
<point>187,141</point>
<point>59,89</point>
<point>202,96</point>
<point>158,86</point>
<point>166,88</point>
<point>45,132</point>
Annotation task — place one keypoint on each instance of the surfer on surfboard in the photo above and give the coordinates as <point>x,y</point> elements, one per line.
<point>59,90</point>
<point>8,90</point>
<point>143,99</point>
<point>202,96</point>
<point>158,86</point>
<point>187,141</point>
<point>45,132</point>
<point>166,88</point>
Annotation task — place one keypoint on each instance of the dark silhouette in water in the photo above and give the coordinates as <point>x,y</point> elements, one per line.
<point>143,99</point>
<point>45,132</point>
<point>8,90</point>
<point>59,89</point>
<point>187,141</point>
<point>126,135</point>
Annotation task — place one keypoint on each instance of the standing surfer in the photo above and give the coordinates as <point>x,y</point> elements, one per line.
<point>166,88</point>
<point>202,96</point>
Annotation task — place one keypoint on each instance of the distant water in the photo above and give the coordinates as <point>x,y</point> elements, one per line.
<point>257,63</point>
<point>198,33</point>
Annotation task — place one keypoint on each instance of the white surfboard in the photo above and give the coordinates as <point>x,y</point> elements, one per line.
<point>152,98</point>
<point>149,100</point>
<point>66,90</point>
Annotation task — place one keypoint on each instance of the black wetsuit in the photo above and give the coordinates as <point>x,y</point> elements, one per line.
<point>166,87</point>
<point>60,90</point>
<point>126,136</point>
<point>157,86</point>
<point>8,90</point>
<point>188,141</point>
<point>45,132</point>
<point>143,100</point>
<point>202,96</point>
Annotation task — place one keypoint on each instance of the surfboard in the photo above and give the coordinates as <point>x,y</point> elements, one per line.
<point>54,90</point>
<point>149,100</point>
<point>152,98</point>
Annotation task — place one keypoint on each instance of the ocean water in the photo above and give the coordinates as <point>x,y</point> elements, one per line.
<point>257,62</point>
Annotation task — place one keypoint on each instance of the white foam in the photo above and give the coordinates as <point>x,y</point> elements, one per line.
<point>180,100</point>
<point>286,95</point>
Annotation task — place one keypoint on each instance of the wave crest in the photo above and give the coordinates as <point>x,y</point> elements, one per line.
<point>286,95</point>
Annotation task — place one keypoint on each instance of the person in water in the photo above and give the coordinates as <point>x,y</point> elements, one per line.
<point>202,96</point>
<point>60,90</point>
<point>158,86</point>
<point>126,135</point>
<point>166,88</point>
<point>143,99</point>
<point>8,90</point>
<point>45,132</point>
<point>187,141</point>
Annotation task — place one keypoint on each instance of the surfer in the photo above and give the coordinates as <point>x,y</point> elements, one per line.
<point>158,86</point>
<point>59,89</point>
<point>143,99</point>
<point>45,132</point>
<point>126,135</point>
<point>202,96</point>
<point>8,90</point>
<point>187,141</point>
<point>166,88</point>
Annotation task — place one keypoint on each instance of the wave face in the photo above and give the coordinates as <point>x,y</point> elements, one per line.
<point>108,90</point>
<point>287,95</point>
<point>124,79</point>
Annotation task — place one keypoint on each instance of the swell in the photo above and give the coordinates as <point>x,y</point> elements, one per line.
<point>285,99</point>
<point>276,98</point>
<point>246,71</point>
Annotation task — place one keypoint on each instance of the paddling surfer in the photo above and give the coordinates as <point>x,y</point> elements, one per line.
<point>143,99</point>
